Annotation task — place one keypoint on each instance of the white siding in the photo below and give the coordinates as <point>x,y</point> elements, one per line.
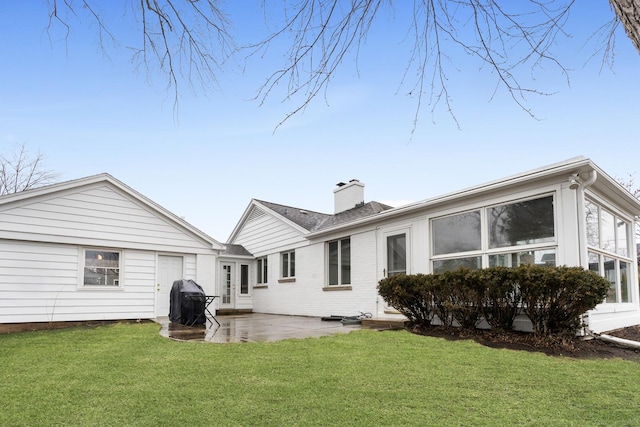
<point>99,215</point>
<point>42,243</point>
<point>265,234</point>
<point>39,283</point>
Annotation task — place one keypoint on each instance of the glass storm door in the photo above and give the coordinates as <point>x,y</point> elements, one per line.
<point>227,284</point>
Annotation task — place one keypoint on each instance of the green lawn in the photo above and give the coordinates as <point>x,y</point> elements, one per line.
<point>126,374</point>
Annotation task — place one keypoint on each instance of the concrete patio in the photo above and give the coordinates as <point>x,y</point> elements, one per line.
<point>258,327</point>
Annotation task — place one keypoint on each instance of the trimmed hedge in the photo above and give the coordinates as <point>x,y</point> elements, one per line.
<point>554,298</point>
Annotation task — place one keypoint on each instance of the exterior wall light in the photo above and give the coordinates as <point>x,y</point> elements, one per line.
<point>574,181</point>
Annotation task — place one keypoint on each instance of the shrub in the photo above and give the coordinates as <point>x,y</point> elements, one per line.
<point>410,295</point>
<point>501,297</point>
<point>462,297</point>
<point>555,299</point>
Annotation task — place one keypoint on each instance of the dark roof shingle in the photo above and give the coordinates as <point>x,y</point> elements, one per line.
<point>315,221</point>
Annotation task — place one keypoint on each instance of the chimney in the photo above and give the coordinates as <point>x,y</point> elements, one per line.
<point>348,196</point>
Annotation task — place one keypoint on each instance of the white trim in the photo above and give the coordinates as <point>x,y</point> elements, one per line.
<point>82,258</point>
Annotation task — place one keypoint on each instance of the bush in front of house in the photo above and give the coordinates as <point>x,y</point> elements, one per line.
<point>411,295</point>
<point>553,298</point>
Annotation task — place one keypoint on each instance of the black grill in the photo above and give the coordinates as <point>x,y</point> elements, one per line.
<point>187,303</point>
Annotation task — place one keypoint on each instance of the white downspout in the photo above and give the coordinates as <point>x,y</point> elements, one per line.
<point>583,254</point>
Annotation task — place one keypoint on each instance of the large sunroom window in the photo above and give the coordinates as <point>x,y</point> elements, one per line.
<point>608,241</point>
<point>511,234</point>
<point>522,223</point>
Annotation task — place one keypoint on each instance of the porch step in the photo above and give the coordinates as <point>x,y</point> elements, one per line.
<point>383,323</point>
<point>227,311</point>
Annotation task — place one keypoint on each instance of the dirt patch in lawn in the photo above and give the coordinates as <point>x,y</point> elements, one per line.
<point>590,348</point>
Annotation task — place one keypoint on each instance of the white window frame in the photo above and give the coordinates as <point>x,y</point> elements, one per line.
<point>82,257</point>
<point>262,271</point>
<point>484,252</point>
<point>328,272</point>
<point>290,272</point>
<point>614,255</point>
<point>247,270</point>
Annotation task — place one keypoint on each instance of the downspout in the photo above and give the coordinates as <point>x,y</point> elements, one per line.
<point>575,183</point>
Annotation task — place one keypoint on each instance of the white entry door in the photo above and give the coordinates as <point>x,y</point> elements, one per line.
<point>169,270</point>
<point>227,284</point>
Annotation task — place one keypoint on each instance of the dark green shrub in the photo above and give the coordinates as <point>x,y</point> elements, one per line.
<point>411,295</point>
<point>462,295</point>
<point>555,299</point>
<point>501,297</point>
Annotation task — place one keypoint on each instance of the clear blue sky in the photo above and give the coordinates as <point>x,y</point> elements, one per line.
<point>91,112</point>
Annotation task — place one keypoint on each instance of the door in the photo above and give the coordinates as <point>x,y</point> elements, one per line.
<point>227,284</point>
<point>396,258</point>
<point>169,270</point>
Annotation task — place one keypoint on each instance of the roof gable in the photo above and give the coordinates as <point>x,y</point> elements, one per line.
<point>76,207</point>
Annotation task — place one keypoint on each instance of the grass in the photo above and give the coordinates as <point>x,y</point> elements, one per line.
<point>126,374</point>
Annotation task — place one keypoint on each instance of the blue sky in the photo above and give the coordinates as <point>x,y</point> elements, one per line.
<point>90,111</point>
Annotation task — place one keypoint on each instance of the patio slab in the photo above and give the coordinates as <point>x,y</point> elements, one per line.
<point>255,327</point>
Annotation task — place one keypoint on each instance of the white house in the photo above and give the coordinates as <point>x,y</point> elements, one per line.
<point>95,249</point>
<point>299,262</point>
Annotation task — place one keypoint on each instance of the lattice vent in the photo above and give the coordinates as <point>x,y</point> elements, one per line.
<point>255,214</point>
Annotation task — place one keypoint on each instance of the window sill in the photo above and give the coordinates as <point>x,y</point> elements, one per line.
<point>287,280</point>
<point>100,288</point>
<point>337,288</point>
<point>260,286</point>
<point>613,307</point>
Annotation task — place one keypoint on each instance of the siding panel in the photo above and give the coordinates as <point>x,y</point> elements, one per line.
<point>100,213</point>
<point>38,284</point>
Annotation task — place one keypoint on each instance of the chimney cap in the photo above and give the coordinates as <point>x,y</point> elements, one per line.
<point>341,184</point>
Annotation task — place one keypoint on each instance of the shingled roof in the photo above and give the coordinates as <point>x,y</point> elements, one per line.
<point>237,250</point>
<point>316,221</point>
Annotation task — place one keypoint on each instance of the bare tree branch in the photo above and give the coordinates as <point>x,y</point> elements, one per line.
<point>186,40</point>
<point>20,171</point>
<point>511,38</point>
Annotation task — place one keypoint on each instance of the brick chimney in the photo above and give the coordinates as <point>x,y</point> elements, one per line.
<point>348,196</point>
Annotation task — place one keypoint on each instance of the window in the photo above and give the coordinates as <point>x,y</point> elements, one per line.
<point>396,254</point>
<point>545,257</point>
<point>521,223</point>
<point>440,266</point>
<point>510,235</point>
<point>457,233</point>
<point>244,279</point>
<point>262,271</point>
<point>289,264</point>
<point>101,268</point>
<point>339,261</point>
<point>608,241</point>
